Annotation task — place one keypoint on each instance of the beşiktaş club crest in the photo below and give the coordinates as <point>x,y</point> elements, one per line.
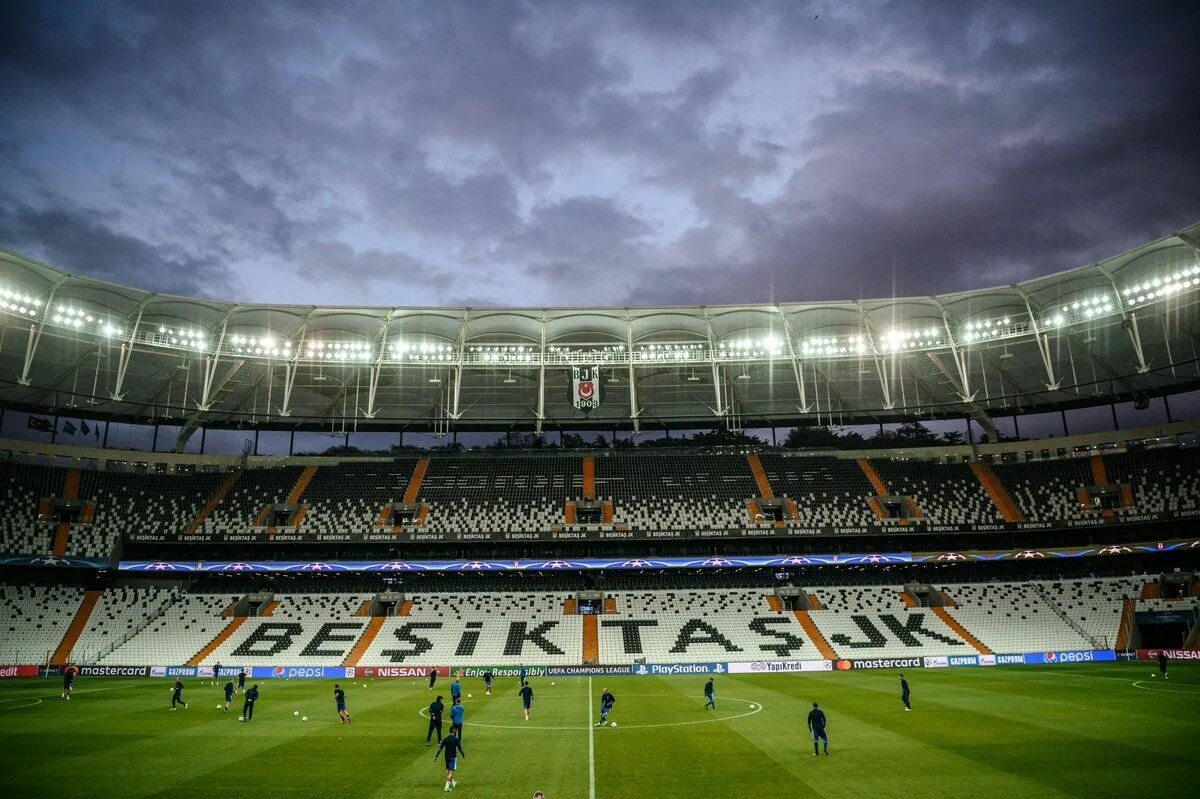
<point>585,387</point>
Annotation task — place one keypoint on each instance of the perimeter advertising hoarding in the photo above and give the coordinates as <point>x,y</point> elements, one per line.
<point>587,671</point>
<point>1070,656</point>
<point>779,666</point>
<point>114,671</point>
<point>879,663</point>
<point>669,669</point>
<point>413,672</point>
<point>497,671</point>
<point>303,672</point>
<point>1173,654</point>
<point>11,672</point>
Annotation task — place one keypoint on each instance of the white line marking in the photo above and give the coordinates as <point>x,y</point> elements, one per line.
<point>32,699</point>
<point>1166,689</point>
<point>591,746</point>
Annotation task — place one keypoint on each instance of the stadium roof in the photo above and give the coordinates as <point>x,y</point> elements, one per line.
<point>1118,329</point>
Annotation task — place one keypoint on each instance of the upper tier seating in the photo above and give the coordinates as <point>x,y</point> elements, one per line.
<point>700,627</point>
<point>120,612</point>
<point>505,493</point>
<point>33,620</point>
<point>347,497</point>
<point>945,493</point>
<point>22,487</point>
<point>672,491</point>
<point>148,503</point>
<point>1161,479</point>
<point>828,492</point>
<point>254,490</point>
<point>1046,491</point>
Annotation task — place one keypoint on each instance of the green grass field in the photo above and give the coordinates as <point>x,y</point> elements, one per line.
<point>1039,732</point>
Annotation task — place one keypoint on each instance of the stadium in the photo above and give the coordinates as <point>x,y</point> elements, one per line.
<point>994,572</point>
<point>689,397</point>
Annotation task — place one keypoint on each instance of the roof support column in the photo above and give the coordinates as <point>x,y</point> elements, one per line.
<point>35,332</point>
<point>541,401</point>
<point>960,361</point>
<point>797,367</point>
<point>1130,322</point>
<point>377,367</point>
<point>123,359</point>
<point>1043,344</point>
<point>210,367</point>
<point>633,405</point>
<point>719,410</point>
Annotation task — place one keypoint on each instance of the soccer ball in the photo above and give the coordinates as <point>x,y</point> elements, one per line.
<point>1152,674</point>
<point>552,682</point>
<point>470,696</point>
<point>614,724</point>
<point>220,706</point>
<point>304,718</point>
<point>241,718</point>
<point>295,712</point>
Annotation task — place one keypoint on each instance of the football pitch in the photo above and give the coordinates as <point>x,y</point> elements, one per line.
<point>1085,730</point>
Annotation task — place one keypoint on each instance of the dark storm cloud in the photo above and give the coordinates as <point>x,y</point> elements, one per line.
<point>623,152</point>
<point>85,239</point>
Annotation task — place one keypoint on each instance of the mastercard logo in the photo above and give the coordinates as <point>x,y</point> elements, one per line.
<point>844,665</point>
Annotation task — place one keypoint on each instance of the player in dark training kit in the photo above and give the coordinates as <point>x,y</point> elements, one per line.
<point>487,683</point>
<point>606,704</point>
<point>241,681</point>
<point>228,694</point>
<point>435,719</point>
<point>339,696</point>
<point>177,695</point>
<point>904,694</point>
<point>68,681</point>
<point>216,674</point>
<point>526,699</point>
<point>816,723</point>
<point>248,704</point>
<point>453,748</point>
<point>432,678</point>
<point>709,690</point>
<point>1162,665</point>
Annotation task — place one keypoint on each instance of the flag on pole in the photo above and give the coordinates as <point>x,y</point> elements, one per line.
<point>69,428</point>
<point>40,424</point>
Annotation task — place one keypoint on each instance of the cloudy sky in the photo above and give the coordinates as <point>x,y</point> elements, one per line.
<point>570,153</point>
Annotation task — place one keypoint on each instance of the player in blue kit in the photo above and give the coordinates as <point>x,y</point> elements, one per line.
<point>339,696</point>
<point>453,748</point>
<point>816,723</point>
<point>606,705</point>
<point>456,719</point>
<point>455,690</point>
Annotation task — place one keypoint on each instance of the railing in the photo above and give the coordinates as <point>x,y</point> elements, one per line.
<point>171,599</point>
<point>1084,634</point>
